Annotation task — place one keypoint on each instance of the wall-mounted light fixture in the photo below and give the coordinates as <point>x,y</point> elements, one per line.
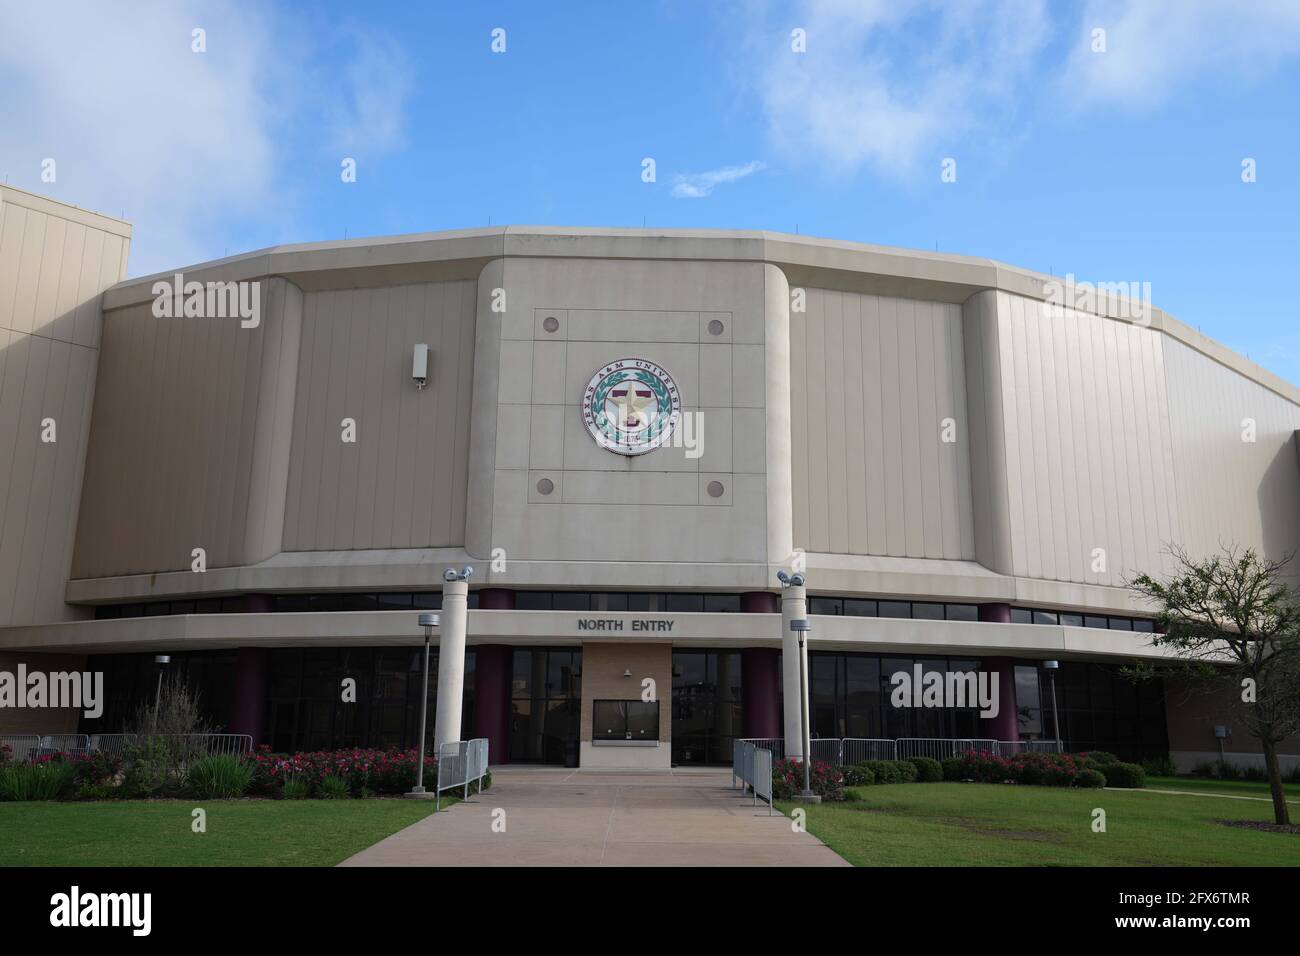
<point>420,366</point>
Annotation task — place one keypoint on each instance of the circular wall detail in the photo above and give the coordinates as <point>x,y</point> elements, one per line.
<point>715,489</point>
<point>551,323</point>
<point>715,327</point>
<point>545,486</point>
<point>631,406</point>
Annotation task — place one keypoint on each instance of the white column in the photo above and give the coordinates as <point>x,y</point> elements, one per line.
<point>451,663</point>
<point>794,606</point>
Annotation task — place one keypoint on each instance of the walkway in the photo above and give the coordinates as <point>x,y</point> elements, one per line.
<point>558,817</point>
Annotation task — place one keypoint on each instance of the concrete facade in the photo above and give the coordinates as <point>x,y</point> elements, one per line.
<point>907,425</point>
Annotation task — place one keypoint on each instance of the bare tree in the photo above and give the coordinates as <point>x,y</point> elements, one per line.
<point>1233,625</point>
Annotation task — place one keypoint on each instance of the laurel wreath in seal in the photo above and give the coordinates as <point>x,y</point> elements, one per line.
<point>653,428</point>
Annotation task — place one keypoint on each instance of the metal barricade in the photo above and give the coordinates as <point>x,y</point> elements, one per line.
<point>752,766</point>
<point>460,763</point>
<point>855,750</point>
<point>774,745</point>
<point>191,745</point>
<point>21,746</point>
<point>940,748</point>
<point>826,749</point>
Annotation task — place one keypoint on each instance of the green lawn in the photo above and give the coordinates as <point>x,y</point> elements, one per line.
<point>239,832</point>
<point>971,824</point>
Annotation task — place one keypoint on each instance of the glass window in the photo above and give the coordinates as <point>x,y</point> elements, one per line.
<point>1028,702</point>
<point>684,603</point>
<point>1091,621</point>
<point>1021,615</point>
<point>1121,624</point>
<point>859,608</point>
<point>1145,626</point>
<point>928,612</point>
<point>895,609</point>
<point>427,600</point>
<point>1072,620</point>
<point>625,720</point>
<point>825,605</point>
<point>722,603</point>
<point>533,600</point>
<point>645,601</point>
<point>1045,617</point>
<point>609,602</point>
<point>571,601</point>
<point>962,612</point>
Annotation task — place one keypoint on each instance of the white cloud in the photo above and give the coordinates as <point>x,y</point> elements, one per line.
<point>1154,46</point>
<point>184,143</point>
<point>883,82</point>
<point>699,185</point>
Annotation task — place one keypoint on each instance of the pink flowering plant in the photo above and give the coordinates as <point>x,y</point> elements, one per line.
<point>825,780</point>
<point>364,770</point>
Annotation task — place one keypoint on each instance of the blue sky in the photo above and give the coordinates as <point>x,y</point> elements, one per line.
<point>1122,165</point>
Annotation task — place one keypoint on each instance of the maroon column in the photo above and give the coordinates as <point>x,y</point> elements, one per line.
<point>493,664</point>
<point>248,700</point>
<point>1005,726</point>
<point>760,673</point>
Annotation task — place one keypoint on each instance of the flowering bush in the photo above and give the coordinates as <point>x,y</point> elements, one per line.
<point>825,780</point>
<point>1034,769</point>
<point>373,771</point>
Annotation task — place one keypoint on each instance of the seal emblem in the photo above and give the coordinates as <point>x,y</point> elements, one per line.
<point>631,406</point>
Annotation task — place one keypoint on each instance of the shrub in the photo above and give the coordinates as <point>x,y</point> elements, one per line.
<point>332,788</point>
<point>380,771</point>
<point>6,754</point>
<point>1099,757</point>
<point>928,770</point>
<point>1048,769</point>
<point>1090,779</point>
<point>983,767</point>
<point>295,788</point>
<point>45,779</point>
<point>219,777</point>
<point>858,775</point>
<point>951,768</point>
<point>891,771</point>
<point>1126,775</point>
<point>787,780</point>
<point>1160,767</point>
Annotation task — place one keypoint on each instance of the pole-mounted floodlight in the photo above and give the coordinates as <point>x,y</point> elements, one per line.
<point>1051,667</point>
<point>428,621</point>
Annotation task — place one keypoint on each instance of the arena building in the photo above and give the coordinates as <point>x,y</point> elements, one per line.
<point>263,465</point>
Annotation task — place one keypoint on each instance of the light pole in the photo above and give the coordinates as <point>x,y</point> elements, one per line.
<point>802,627</point>
<point>428,622</point>
<point>1051,668</point>
<point>162,660</point>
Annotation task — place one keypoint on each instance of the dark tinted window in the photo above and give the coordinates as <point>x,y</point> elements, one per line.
<point>825,605</point>
<point>1072,620</point>
<point>963,612</point>
<point>1121,624</point>
<point>571,601</point>
<point>533,600</point>
<point>1090,621</point>
<point>859,608</point>
<point>685,602</point>
<point>929,612</point>
<point>895,609</point>
<point>1147,627</point>
<point>1021,615</point>
<point>722,603</point>
<point>1045,617</point>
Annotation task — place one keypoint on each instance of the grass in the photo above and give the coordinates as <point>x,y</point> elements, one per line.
<point>971,824</point>
<point>239,832</point>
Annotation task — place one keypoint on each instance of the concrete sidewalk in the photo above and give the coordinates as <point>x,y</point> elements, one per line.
<point>560,817</point>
